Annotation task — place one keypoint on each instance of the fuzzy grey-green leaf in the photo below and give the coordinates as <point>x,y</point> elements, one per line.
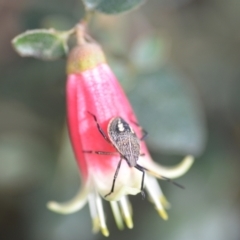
<point>112,6</point>
<point>41,43</point>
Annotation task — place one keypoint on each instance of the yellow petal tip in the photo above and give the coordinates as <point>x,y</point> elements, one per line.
<point>189,158</point>
<point>105,232</point>
<point>53,206</point>
<point>120,225</point>
<point>163,214</point>
<point>129,222</point>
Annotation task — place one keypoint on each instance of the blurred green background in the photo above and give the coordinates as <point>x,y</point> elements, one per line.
<point>178,61</point>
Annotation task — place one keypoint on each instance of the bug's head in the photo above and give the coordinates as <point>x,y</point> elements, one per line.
<point>118,129</point>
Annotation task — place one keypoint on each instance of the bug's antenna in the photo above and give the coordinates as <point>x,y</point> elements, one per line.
<point>164,178</point>
<point>173,182</point>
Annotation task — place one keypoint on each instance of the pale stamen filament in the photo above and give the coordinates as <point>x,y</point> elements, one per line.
<point>100,211</point>
<point>117,214</point>
<point>93,212</point>
<point>155,198</point>
<point>126,211</point>
<point>158,191</point>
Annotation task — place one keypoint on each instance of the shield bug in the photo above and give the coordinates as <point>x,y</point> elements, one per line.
<point>124,139</point>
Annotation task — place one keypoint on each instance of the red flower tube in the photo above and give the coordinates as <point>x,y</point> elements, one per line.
<point>93,88</point>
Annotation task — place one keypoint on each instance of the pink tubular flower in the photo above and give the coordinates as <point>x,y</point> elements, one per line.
<point>93,88</point>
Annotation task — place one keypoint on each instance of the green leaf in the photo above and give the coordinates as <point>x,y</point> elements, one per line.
<point>169,109</point>
<point>42,44</point>
<point>112,6</point>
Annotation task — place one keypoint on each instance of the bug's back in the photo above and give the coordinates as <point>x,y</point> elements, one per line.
<point>124,140</point>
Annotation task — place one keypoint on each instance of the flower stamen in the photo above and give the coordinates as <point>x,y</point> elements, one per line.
<point>101,215</point>
<point>158,191</point>
<point>117,214</point>
<point>126,211</point>
<point>153,192</point>
<point>94,213</point>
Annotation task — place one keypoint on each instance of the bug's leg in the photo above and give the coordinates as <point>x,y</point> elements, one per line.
<point>164,178</point>
<point>100,152</point>
<point>99,127</point>
<point>115,177</point>
<point>140,168</point>
<point>144,132</point>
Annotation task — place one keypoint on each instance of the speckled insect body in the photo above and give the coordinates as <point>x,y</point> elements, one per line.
<point>124,140</point>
